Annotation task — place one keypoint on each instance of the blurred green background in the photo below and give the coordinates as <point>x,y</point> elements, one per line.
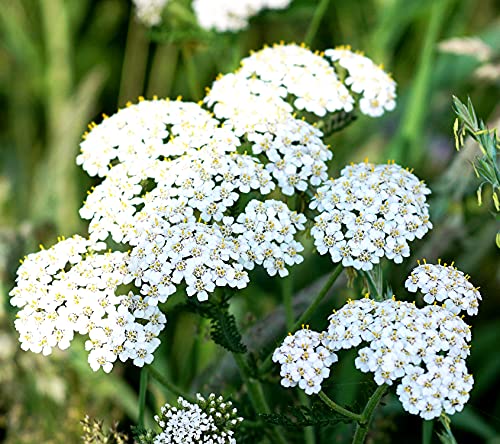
<point>64,62</point>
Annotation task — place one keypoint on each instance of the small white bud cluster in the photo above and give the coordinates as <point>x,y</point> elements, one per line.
<point>370,212</point>
<point>376,87</point>
<point>209,421</point>
<point>445,284</point>
<point>70,289</point>
<point>304,360</point>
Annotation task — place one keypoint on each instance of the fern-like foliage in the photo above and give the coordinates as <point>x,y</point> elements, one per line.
<point>335,122</point>
<point>302,416</point>
<point>223,328</point>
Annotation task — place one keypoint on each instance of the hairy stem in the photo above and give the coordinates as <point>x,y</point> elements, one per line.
<point>172,388</point>
<point>366,416</point>
<point>339,409</point>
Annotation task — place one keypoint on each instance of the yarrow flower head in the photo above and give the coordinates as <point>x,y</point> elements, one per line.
<point>304,360</point>
<point>229,15</point>
<point>211,421</point>
<point>445,284</point>
<point>291,149</point>
<point>376,88</point>
<point>267,236</point>
<point>423,348</point>
<point>302,74</point>
<point>149,11</point>
<point>369,212</point>
<point>70,289</point>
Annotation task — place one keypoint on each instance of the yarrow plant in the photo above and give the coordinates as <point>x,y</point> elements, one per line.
<point>211,421</point>
<point>196,197</point>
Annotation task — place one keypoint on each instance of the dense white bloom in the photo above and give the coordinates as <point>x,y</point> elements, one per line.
<point>304,360</point>
<point>266,238</point>
<point>376,87</point>
<point>445,284</point>
<point>202,256</point>
<point>70,289</point>
<point>211,421</point>
<point>144,132</point>
<point>290,148</point>
<point>369,212</point>
<point>301,74</point>
<point>425,348</point>
<point>230,15</point>
<point>149,11</point>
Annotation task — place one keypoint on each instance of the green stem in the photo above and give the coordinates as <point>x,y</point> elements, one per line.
<point>316,21</point>
<point>408,146</point>
<point>309,437</point>
<point>267,364</point>
<point>191,74</point>
<point>287,293</point>
<point>172,388</point>
<point>337,408</point>
<point>256,394</point>
<point>373,286</point>
<point>445,421</point>
<point>143,386</point>
<point>427,427</point>
<point>366,416</point>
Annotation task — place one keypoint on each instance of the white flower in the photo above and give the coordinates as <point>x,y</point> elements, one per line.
<point>304,75</point>
<point>424,348</point>
<point>304,361</point>
<point>233,16</point>
<point>376,87</point>
<point>266,237</point>
<point>445,284</point>
<point>210,421</point>
<point>70,289</point>
<point>149,11</point>
<point>369,212</point>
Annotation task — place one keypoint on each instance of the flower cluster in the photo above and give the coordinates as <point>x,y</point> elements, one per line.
<point>445,284</point>
<point>304,360</point>
<point>424,348</point>
<point>267,236</point>
<point>149,11</point>
<point>369,212</point>
<point>301,74</point>
<point>290,148</point>
<point>376,87</point>
<point>70,289</point>
<point>229,15</point>
<point>203,256</point>
<point>210,421</point>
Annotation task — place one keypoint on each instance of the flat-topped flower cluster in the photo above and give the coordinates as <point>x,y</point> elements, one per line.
<point>172,179</point>
<point>422,348</point>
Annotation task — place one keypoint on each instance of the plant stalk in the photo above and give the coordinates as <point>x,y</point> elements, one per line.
<point>339,409</point>
<point>266,365</point>
<point>143,386</point>
<point>316,21</point>
<point>256,394</point>
<point>366,416</point>
<point>172,388</point>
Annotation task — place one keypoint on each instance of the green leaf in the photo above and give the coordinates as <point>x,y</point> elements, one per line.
<point>223,328</point>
